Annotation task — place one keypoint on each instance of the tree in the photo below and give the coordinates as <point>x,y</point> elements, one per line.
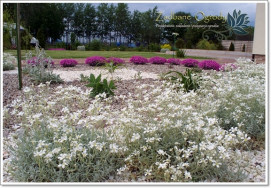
<point>45,16</point>
<point>79,25</point>
<point>90,21</point>
<point>150,33</point>
<point>68,10</point>
<point>122,20</point>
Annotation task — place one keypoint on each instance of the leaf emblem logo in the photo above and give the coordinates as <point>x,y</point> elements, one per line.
<point>238,22</point>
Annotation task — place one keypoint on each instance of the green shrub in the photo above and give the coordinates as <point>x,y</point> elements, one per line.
<point>95,45</point>
<point>181,53</point>
<point>9,62</point>
<point>99,87</point>
<point>61,45</point>
<point>231,48</point>
<point>122,48</point>
<point>41,72</point>
<point>244,48</point>
<point>41,37</point>
<point>153,47</point>
<point>180,43</point>
<point>206,45</point>
<point>188,82</point>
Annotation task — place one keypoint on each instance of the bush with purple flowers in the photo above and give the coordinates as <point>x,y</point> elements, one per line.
<point>158,60</point>
<point>138,60</point>
<point>174,61</point>
<point>95,61</point>
<point>209,64</point>
<point>190,63</point>
<point>34,61</point>
<point>68,62</point>
<point>115,60</point>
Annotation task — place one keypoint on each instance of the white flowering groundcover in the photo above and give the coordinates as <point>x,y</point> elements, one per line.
<point>160,135</point>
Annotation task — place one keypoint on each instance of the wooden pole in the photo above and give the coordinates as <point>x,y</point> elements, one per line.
<point>18,41</point>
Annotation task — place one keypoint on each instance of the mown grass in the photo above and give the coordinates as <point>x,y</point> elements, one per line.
<point>84,54</point>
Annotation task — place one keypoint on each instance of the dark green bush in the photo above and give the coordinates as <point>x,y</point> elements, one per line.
<point>180,43</point>
<point>244,48</point>
<point>99,87</point>
<point>180,53</point>
<point>231,48</point>
<point>153,47</point>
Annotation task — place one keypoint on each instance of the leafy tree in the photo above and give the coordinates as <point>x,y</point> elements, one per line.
<point>102,19</point>
<point>122,20</point>
<point>90,20</point>
<point>79,25</point>
<point>150,33</point>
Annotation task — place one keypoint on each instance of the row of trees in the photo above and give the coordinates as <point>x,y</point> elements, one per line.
<point>108,22</point>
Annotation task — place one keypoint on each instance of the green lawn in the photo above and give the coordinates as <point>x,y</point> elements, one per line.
<point>84,54</point>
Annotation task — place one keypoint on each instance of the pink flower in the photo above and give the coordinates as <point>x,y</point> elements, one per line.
<point>158,60</point>
<point>190,63</point>
<point>174,61</point>
<point>138,60</point>
<point>95,61</point>
<point>68,62</point>
<point>115,60</point>
<point>209,64</point>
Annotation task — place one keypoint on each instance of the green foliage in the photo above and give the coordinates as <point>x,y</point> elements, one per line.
<point>41,37</point>
<point>42,72</point>
<point>8,66</point>
<point>92,166</point>
<point>111,67</point>
<point>61,45</point>
<point>6,39</point>
<point>122,48</point>
<point>244,48</point>
<point>186,80</point>
<point>181,53</point>
<point>253,123</point>
<point>94,45</point>
<point>231,48</point>
<point>99,87</point>
<point>153,47</point>
<point>180,43</point>
<point>206,45</point>
<point>83,78</point>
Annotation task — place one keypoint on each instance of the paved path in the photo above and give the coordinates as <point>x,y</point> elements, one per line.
<point>216,54</point>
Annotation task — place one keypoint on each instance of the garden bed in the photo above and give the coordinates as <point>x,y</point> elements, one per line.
<point>148,131</point>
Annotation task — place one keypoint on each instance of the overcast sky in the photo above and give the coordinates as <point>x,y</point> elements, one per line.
<point>207,8</point>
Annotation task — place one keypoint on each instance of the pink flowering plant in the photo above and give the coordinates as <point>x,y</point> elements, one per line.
<point>138,60</point>
<point>96,61</point>
<point>190,63</point>
<point>57,49</point>
<point>158,60</point>
<point>115,60</point>
<point>68,62</point>
<point>34,61</point>
<point>174,61</point>
<point>209,64</point>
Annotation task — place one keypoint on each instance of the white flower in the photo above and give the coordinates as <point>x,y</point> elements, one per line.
<point>114,148</point>
<point>27,89</point>
<point>135,137</point>
<point>161,152</point>
<point>148,172</point>
<point>187,175</point>
<point>39,153</point>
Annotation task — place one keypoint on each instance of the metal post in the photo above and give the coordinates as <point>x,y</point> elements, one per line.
<point>173,45</point>
<point>18,41</point>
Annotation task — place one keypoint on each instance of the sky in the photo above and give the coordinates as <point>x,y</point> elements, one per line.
<point>193,8</point>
